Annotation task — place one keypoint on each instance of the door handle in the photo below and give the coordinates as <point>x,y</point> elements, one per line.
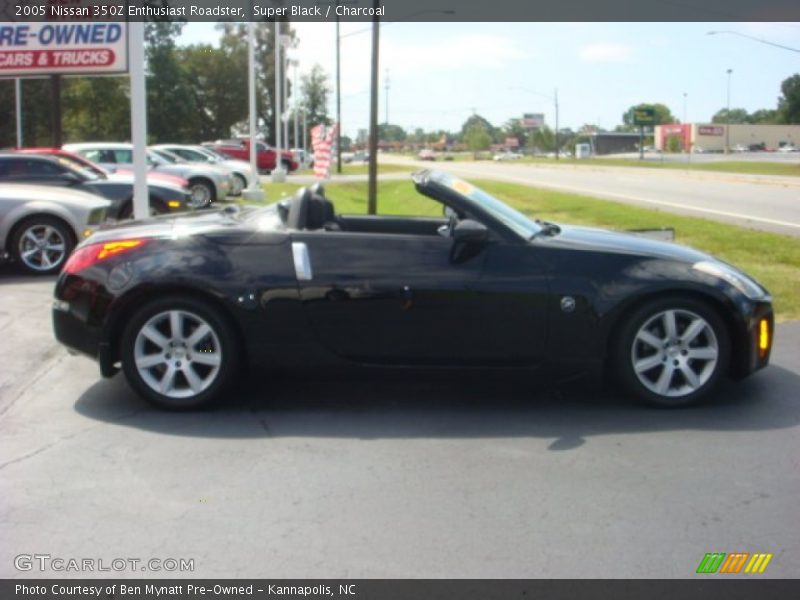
<point>408,297</point>
<point>302,262</point>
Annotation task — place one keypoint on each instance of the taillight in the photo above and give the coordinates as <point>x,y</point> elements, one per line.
<point>85,257</point>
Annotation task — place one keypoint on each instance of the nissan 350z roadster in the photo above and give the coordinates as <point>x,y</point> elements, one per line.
<point>183,304</point>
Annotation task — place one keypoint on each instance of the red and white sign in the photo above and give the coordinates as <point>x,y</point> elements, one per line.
<point>322,141</point>
<point>51,48</point>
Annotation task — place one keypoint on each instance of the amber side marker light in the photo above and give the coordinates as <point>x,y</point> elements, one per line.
<point>93,253</point>
<point>763,336</point>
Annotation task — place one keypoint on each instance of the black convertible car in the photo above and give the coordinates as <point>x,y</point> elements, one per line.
<point>182,303</point>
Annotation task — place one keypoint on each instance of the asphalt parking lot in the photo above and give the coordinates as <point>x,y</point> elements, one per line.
<point>372,477</point>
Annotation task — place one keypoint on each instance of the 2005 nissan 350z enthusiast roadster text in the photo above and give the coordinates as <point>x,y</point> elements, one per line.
<point>182,304</point>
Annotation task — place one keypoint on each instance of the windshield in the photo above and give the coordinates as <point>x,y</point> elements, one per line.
<point>510,217</point>
<point>211,153</point>
<point>87,172</point>
<point>167,156</point>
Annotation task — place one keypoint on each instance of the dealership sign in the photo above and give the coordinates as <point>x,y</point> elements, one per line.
<point>35,49</point>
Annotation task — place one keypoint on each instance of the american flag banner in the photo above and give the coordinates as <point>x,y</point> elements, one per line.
<point>322,142</point>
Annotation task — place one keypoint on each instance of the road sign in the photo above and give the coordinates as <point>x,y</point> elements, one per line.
<point>643,117</point>
<point>33,49</point>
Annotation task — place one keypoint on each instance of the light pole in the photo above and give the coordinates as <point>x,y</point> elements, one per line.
<point>253,192</point>
<point>295,90</point>
<point>755,39</point>
<point>728,116</point>
<point>372,192</point>
<point>386,99</point>
<point>18,109</point>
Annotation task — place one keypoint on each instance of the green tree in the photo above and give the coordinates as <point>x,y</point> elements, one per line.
<point>662,115</point>
<point>765,115</point>
<point>388,132</point>
<point>789,101</point>
<point>96,108</point>
<point>513,129</point>
<point>315,89</point>
<point>477,138</point>
<point>170,102</point>
<point>477,121</point>
<point>737,115</point>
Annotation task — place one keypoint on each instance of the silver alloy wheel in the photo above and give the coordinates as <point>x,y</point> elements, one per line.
<point>200,195</point>
<point>42,247</point>
<point>177,354</point>
<point>674,353</point>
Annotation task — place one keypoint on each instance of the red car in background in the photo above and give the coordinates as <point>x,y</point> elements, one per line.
<point>265,156</point>
<point>152,177</point>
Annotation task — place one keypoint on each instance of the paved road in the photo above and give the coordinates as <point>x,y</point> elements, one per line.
<point>761,202</point>
<point>410,477</point>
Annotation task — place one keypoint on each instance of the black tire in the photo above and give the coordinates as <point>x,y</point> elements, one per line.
<point>182,358</point>
<point>58,242</point>
<point>681,362</point>
<point>202,193</point>
<point>287,165</point>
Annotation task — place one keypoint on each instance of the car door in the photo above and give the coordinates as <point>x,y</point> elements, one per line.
<point>401,299</point>
<point>388,298</point>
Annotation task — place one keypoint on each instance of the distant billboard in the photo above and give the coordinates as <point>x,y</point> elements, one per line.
<point>533,120</point>
<point>32,49</point>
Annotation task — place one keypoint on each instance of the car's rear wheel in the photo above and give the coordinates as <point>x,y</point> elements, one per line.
<point>40,245</point>
<point>672,352</point>
<point>179,353</point>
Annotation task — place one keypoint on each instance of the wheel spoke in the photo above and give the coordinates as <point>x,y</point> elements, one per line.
<point>207,358</point>
<point>662,385</point>
<point>46,263</point>
<point>176,324</point>
<point>648,363</point>
<point>29,253</point>
<point>694,329</point>
<point>152,334</point>
<point>702,353</point>
<point>166,383</point>
<point>30,236</point>
<point>649,339</point>
<point>55,247</point>
<point>691,376</point>
<point>194,380</point>
<point>198,334</point>
<point>670,327</point>
<point>150,360</point>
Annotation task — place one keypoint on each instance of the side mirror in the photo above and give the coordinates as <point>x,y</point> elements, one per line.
<point>470,232</point>
<point>469,238</point>
<point>71,178</point>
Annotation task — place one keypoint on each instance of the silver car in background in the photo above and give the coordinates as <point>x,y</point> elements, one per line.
<point>240,170</point>
<point>41,225</point>
<point>207,184</point>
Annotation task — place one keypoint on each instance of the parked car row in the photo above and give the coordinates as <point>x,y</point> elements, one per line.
<point>51,198</point>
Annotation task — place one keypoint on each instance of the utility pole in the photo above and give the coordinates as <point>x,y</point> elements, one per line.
<point>372,197</point>
<point>338,95</point>
<point>386,84</point>
<point>277,171</point>
<point>558,148</point>
<point>728,117</point>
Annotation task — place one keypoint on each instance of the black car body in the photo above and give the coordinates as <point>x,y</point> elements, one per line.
<point>295,284</point>
<point>55,171</point>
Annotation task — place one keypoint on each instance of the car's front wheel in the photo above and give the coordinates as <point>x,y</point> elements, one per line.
<point>179,353</point>
<point>239,184</point>
<point>672,352</point>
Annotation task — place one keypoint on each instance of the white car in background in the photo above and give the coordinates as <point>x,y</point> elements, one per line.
<point>206,182</point>
<point>242,175</point>
<point>507,155</point>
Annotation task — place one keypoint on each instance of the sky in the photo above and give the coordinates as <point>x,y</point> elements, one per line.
<point>441,73</point>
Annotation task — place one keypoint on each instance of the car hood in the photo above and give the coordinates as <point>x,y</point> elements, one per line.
<point>152,182</point>
<point>603,240</point>
<point>35,193</point>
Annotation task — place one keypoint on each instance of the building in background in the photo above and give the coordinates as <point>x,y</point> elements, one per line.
<point>711,137</point>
